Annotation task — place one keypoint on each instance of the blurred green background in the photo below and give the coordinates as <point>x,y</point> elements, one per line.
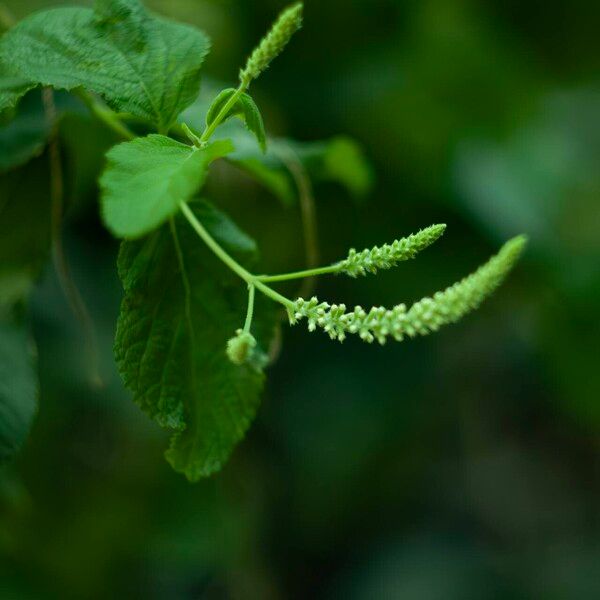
<point>464,465</point>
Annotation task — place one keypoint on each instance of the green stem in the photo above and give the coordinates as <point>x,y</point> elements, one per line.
<point>300,274</point>
<point>306,201</point>
<point>250,313</point>
<point>214,246</point>
<point>61,264</point>
<point>223,112</point>
<point>105,114</point>
<point>267,291</point>
<point>229,261</point>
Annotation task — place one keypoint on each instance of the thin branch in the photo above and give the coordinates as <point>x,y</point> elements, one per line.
<point>250,311</point>
<point>229,261</point>
<point>306,200</point>
<point>61,265</point>
<point>308,273</point>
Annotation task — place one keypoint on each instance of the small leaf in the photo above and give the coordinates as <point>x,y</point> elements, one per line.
<point>180,307</point>
<point>137,62</point>
<point>245,108</point>
<point>18,387</point>
<point>340,160</point>
<point>344,162</point>
<point>254,120</point>
<point>146,180</point>
<point>25,135</point>
<point>26,129</point>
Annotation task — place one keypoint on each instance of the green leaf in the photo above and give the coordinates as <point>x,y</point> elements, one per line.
<point>179,310</point>
<point>139,63</point>
<point>24,136</point>
<point>24,229</point>
<point>344,162</point>
<point>245,108</point>
<point>339,160</point>
<point>18,387</point>
<point>24,247</point>
<point>146,180</point>
<point>12,88</point>
<point>226,232</point>
<point>84,143</point>
<point>26,129</point>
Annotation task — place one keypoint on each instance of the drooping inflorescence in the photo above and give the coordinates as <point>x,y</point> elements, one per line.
<point>423,317</point>
<point>288,22</point>
<point>389,255</point>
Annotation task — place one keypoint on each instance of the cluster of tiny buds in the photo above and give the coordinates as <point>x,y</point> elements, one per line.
<point>241,347</point>
<point>288,22</point>
<point>423,317</point>
<point>376,324</point>
<point>389,255</point>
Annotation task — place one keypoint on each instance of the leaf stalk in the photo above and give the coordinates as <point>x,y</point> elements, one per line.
<point>229,261</point>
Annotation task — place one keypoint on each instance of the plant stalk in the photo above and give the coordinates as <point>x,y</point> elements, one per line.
<point>299,274</point>
<point>207,133</point>
<point>250,313</point>
<point>230,261</point>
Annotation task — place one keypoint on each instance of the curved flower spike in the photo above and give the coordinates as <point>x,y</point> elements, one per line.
<point>423,317</point>
<point>389,255</point>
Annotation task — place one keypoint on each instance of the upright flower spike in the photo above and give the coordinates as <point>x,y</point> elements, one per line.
<point>389,255</point>
<point>271,46</point>
<point>423,317</point>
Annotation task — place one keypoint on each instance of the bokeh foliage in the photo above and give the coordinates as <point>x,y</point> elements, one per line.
<point>460,466</point>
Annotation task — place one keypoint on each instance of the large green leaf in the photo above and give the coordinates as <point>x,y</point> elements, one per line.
<point>18,386</point>
<point>178,312</point>
<point>137,62</point>
<point>147,179</point>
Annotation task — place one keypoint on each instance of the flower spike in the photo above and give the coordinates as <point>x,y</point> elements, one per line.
<point>389,255</point>
<point>423,317</point>
<point>272,45</point>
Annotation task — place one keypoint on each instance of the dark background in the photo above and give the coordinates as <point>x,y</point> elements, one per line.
<point>464,465</point>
